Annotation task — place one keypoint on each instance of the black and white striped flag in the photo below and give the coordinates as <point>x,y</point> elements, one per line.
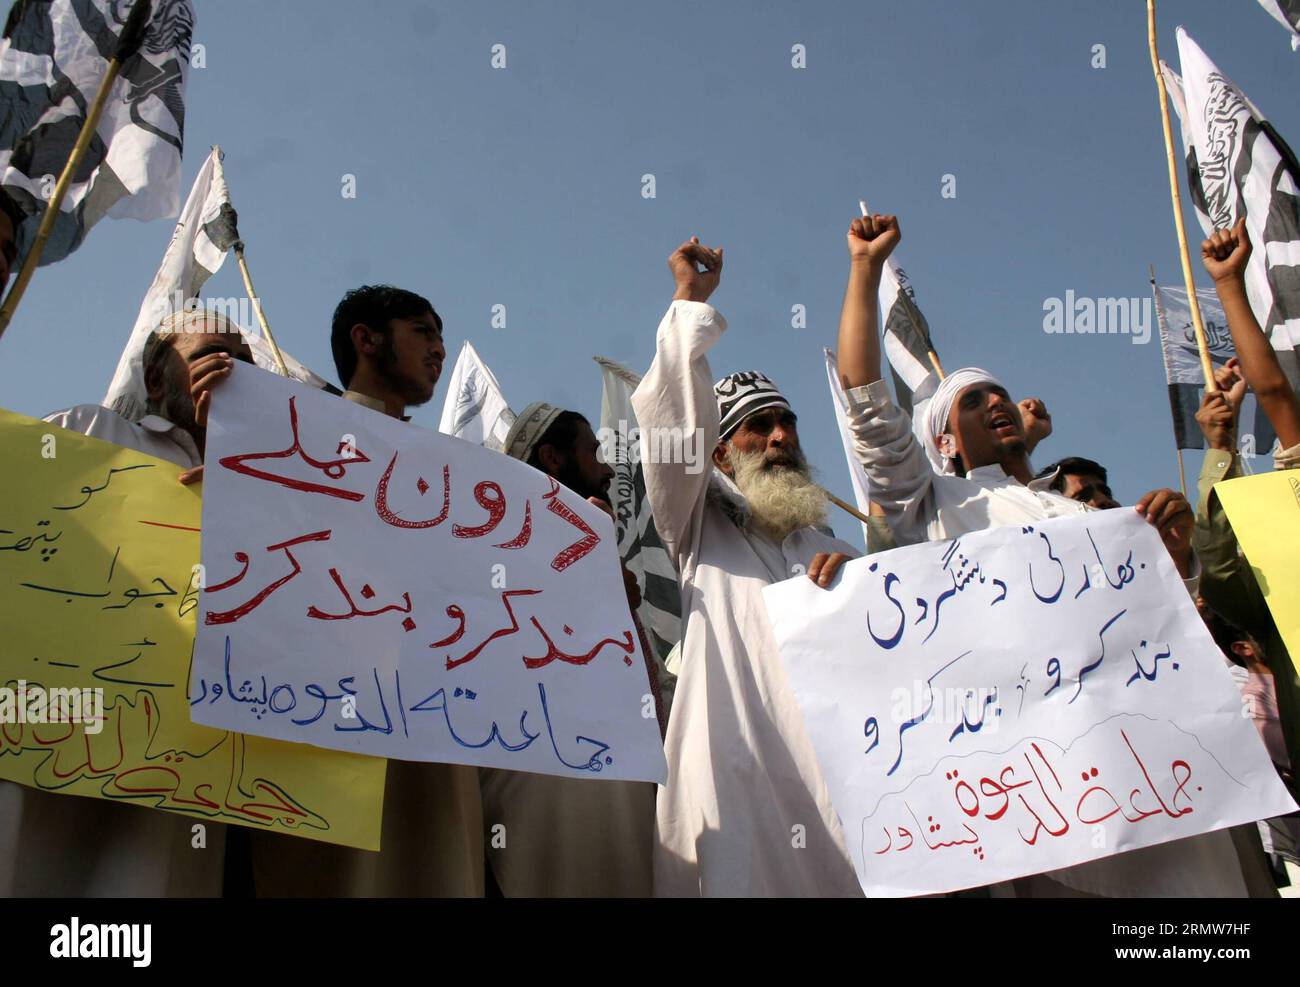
<point>1239,165</point>
<point>906,338</point>
<point>639,543</point>
<point>52,60</point>
<point>1286,13</point>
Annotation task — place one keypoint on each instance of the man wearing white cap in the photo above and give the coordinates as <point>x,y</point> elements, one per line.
<point>745,810</point>
<point>976,432</point>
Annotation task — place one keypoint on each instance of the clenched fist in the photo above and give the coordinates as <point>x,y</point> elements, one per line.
<point>1226,253</point>
<point>1038,423</point>
<point>872,239</point>
<point>693,284</point>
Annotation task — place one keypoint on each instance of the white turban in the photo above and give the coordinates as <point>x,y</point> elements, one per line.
<point>936,412</point>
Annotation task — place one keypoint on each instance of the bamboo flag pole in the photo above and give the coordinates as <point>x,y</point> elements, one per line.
<point>127,44</point>
<point>844,506</point>
<point>238,247</point>
<point>1176,196</point>
<point>929,349</point>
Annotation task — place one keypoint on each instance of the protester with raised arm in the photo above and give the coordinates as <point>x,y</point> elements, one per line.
<point>977,435</point>
<point>1228,586</point>
<point>1225,255</point>
<point>745,810</point>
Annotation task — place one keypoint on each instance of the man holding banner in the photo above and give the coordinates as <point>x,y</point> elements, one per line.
<point>388,351</point>
<point>53,844</point>
<point>977,432</point>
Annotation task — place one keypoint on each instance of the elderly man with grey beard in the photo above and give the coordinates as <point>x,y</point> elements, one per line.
<point>62,846</point>
<point>745,811</point>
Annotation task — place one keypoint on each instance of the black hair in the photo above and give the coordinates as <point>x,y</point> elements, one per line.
<point>1226,634</point>
<point>562,434</point>
<point>373,305</point>
<point>1072,466</point>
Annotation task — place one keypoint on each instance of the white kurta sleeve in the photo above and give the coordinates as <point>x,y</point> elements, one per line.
<point>900,477</point>
<point>676,398</point>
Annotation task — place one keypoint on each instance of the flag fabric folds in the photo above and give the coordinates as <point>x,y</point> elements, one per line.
<point>53,57</point>
<point>639,544</point>
<point>475,409</point>
<point>1286,13</point>
<point>1238,165</point>
<point>906,336</point>
<point>206,230</point>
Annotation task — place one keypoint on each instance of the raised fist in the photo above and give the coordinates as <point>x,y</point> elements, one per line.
<point>693,284</point>
<point>1226,253</point>
<point>872,239</point>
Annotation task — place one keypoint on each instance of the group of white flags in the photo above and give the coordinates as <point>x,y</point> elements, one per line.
<point>1237,164</point>
<point>53,57</point>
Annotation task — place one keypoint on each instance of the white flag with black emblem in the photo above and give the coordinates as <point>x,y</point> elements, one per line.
<point>53,57</point>
<point>639,544</point>
<point>475,409</point>
<point>1244,168</point>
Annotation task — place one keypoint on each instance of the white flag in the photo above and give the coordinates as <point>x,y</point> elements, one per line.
<point>206,230</point>
<point>1286,13</point>
<point>52,60</point>
<point>475,409</point>
<point>1246,169</point>
<point>639,544</point>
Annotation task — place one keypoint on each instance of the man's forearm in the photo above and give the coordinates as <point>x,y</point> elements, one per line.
<point>858,353</point>
<point>1259,364</point>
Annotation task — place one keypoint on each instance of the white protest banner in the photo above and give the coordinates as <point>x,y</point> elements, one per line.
<point>376,587</point>
<point>1015,701</point>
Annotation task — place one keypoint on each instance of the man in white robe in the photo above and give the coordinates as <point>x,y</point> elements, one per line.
<point>977,435</point>
<point>746,810</point>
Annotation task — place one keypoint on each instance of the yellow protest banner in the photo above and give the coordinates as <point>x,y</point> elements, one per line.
<point>99,583</point>
<point>1265,514</point>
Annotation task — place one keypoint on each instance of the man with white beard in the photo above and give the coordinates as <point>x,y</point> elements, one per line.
<point>745,810</point>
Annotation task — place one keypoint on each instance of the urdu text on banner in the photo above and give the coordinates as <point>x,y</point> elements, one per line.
<point>377,587</point>
<point>99,584</point>
<point>1016,701</point>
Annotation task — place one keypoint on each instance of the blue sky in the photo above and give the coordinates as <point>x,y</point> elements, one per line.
<point>522,186</point>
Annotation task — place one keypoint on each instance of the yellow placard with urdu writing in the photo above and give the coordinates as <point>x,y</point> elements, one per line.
<point>99,583</point>
<point>1265,514</point>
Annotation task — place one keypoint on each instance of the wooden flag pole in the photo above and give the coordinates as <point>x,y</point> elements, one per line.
<point>238,247</point>
<point>844,506</point>
<point>257,308</point>
<point>934,357</point>
<point>1176,196</point>
<point>132,34</point>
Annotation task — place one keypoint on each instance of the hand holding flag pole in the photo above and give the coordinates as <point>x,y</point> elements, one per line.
<point>934,357</point>
<point>127,45</point>
<point>1176,197</point>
